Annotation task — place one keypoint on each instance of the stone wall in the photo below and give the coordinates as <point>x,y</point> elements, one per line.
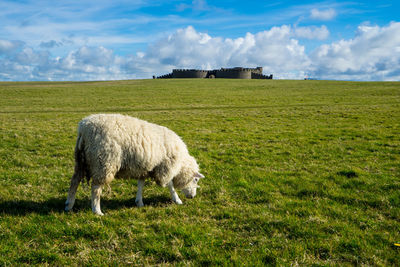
<point>234,73</point>
<point>229,73</point>
<point>185,73</point>
<point>255,75</point>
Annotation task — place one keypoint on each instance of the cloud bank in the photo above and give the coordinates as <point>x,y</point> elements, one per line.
<point>372,54</point>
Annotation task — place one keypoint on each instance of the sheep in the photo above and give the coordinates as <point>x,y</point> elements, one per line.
<point>110,146</point>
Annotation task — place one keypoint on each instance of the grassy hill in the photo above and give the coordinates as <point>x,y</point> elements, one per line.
<point>297,172</point>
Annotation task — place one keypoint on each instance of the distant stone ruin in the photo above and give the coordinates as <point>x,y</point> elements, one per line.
<point>230,73</point>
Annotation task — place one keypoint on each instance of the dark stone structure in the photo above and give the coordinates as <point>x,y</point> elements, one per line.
<point>186,73</point>
<point>230,73</point>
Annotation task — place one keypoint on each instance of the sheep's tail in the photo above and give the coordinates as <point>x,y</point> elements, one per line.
<point>80,160</point>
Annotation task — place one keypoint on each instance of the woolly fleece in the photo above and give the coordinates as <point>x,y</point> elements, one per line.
<point>114,145</point>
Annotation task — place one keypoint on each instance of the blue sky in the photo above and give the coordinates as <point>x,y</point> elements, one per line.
<point>108,40</point>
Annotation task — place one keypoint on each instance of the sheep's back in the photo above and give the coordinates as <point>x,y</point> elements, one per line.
<point>136,146</point>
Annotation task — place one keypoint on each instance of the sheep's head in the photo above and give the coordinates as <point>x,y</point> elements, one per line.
<point>188,177</point>
<point>190,189</point>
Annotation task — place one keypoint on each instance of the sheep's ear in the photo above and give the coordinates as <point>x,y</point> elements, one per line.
<point>199,175</point>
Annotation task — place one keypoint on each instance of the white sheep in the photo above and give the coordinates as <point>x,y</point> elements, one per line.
<point>114,145</point>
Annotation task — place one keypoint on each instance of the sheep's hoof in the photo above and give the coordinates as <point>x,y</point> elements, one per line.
<point>178,201</point>
<point>67,207</point>
<point>139,204</point>
<point>98,213</point>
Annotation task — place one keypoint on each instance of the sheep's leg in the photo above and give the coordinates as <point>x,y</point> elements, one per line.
<point>96,193</point>
<point>174,195</point>
<point>139,194</point>
<point>72,192</point>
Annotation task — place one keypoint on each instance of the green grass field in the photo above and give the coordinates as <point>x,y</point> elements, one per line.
<point>297,173</point>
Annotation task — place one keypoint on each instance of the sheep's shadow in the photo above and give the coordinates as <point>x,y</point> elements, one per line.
<point>56,205</point>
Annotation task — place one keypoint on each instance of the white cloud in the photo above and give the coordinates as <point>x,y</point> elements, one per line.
<point>197,5</point>
<point>275,50</point>
<point>373,54</point>
<point>326,14</point>
<point>8,47</point>
<point>312,32</point>
<point>50,44</point>
<point>86,63</point>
